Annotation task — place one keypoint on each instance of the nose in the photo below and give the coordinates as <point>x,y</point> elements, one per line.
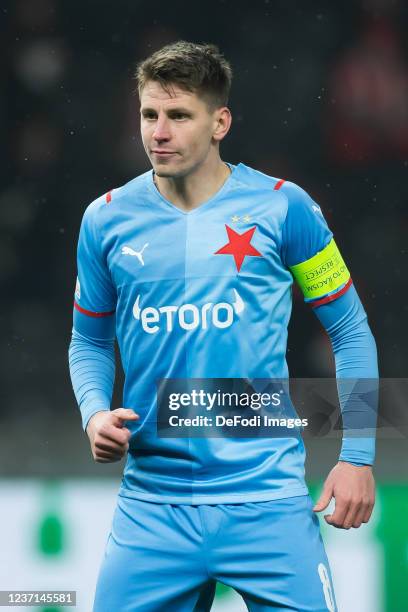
<point>162,130</point>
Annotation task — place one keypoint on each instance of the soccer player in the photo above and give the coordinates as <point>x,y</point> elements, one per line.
<point>190,266</point>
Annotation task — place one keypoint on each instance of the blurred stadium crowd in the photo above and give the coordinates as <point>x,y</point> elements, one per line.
<point>320,97</point>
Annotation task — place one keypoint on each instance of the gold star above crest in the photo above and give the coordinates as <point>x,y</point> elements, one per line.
<point>235,219</point>
<point>246,218</point>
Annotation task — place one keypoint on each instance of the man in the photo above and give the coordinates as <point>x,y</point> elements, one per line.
<point>190,265</point>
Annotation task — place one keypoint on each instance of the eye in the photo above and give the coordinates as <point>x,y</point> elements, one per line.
<point>149,115</point>
<point>180,116</point>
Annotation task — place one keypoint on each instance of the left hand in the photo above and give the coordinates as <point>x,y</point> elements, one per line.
<point>353,488</point>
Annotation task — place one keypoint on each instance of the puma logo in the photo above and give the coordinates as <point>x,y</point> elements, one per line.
<point>126,250</point>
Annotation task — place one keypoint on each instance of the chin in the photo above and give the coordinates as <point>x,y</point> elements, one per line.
<point>167,172</point>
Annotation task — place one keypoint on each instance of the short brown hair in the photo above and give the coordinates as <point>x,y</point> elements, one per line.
<point>199,68</point>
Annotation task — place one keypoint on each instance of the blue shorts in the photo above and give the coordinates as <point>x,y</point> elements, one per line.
<point>168,557</point>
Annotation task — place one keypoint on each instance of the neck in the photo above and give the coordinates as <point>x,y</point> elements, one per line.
<point>188,192</point>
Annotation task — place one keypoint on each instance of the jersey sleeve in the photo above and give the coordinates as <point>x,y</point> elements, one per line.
<point>95,294</point>
<point>355,354</point>
<point>91,352</point>
<point>309,250</point>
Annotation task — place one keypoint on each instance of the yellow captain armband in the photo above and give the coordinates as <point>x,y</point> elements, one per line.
<point>322,273</point>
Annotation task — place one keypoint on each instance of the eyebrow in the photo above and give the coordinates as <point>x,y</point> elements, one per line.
<point>178,109</point>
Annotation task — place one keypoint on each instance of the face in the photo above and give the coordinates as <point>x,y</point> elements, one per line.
<point>178,130</point>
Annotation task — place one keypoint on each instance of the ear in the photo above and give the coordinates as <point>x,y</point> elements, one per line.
<point>222,123</point>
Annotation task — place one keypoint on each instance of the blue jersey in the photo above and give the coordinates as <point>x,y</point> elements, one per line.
<point>201,294</point>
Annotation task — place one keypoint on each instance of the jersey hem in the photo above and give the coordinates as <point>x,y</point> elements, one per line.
<point>232,498</point>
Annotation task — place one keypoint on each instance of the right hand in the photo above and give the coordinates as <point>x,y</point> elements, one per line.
<point>108,436</point>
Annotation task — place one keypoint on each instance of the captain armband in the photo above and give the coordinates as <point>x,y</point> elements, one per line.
<point>322,274</point>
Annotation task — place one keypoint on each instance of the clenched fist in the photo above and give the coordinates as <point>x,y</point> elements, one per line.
<point>108,436</point>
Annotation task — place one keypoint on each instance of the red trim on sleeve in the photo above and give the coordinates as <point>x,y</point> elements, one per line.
<point>89,313</point>
<point>279,184</point>
<point>333,296</point>
<point>109,196</point>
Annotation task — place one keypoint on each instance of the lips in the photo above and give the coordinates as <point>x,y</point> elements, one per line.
<point>160,152</point>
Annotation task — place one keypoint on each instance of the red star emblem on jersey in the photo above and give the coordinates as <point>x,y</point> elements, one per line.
<point>239,246</point>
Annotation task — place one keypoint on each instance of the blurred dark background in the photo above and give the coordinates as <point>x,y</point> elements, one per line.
<point>320,97</point>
